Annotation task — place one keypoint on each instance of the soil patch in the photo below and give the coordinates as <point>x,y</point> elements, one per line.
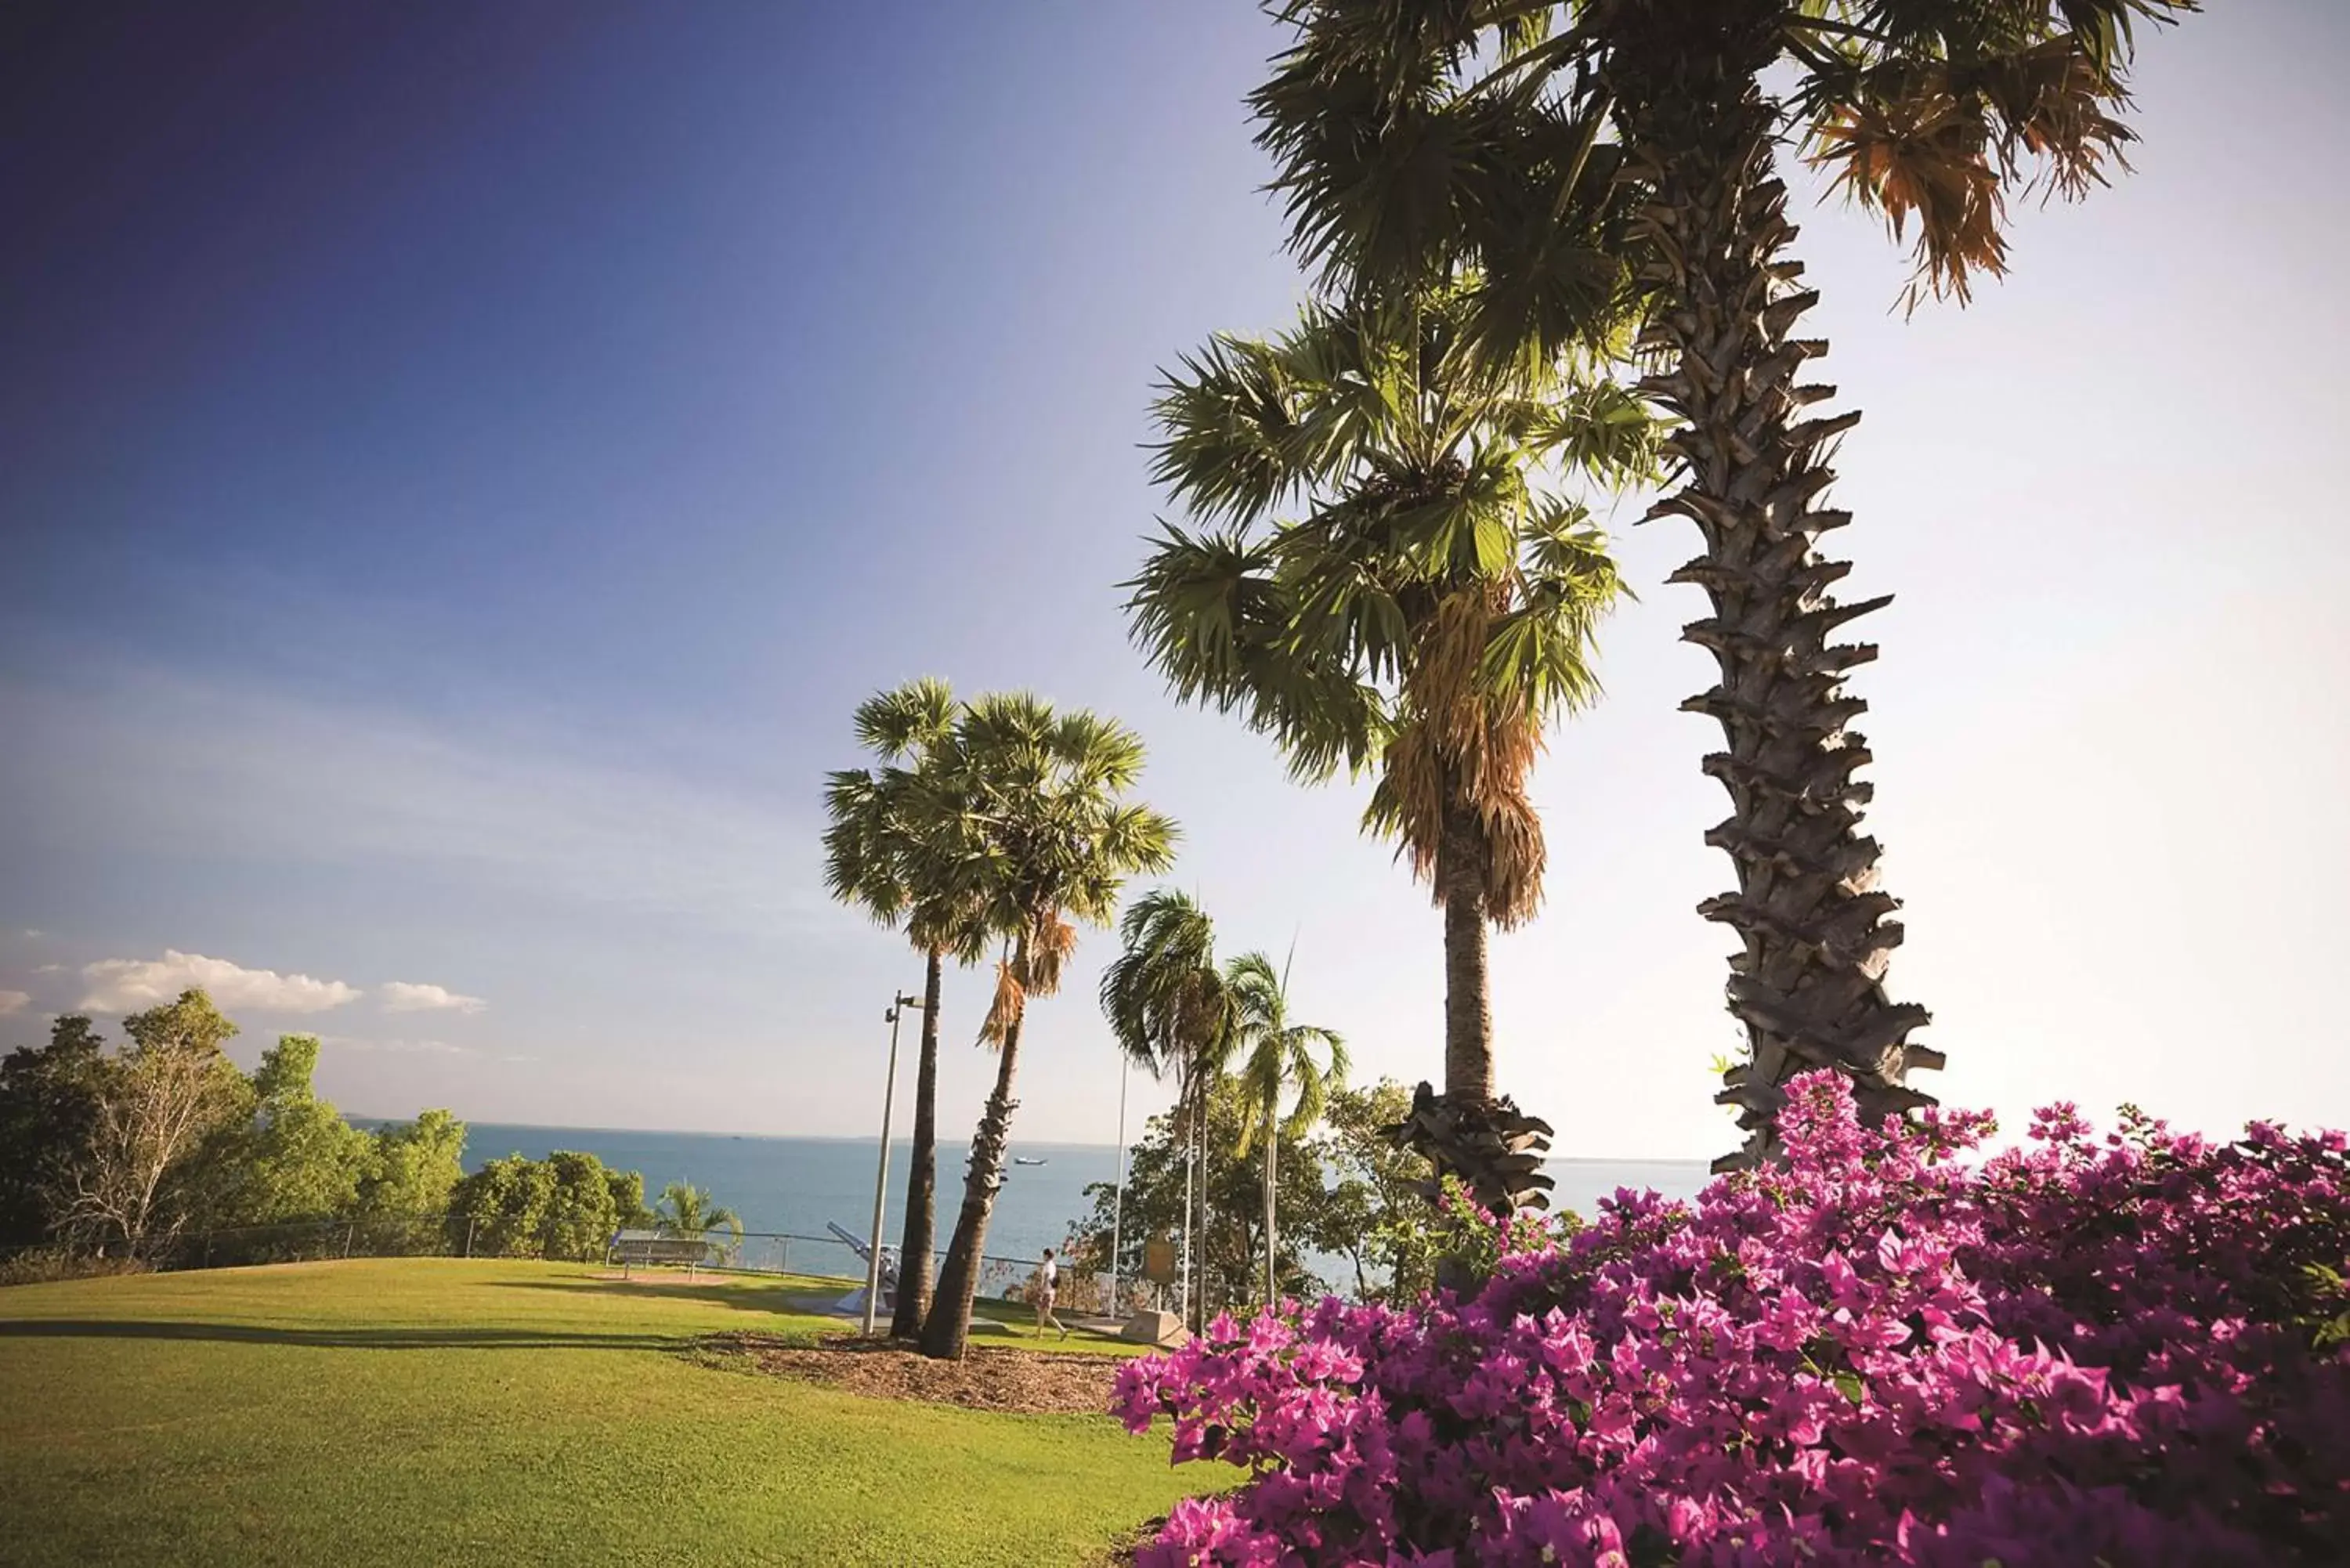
<point>989,1378</point>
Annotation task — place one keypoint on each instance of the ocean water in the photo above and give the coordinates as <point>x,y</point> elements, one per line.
<point>796,1185</point>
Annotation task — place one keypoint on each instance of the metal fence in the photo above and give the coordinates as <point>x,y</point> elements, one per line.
<point>824,1262</point>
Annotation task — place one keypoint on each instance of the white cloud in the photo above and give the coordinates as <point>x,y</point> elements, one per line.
<point>421,1048</point>
<point>400,1047</point>
<point>13,1001</point>
<point>121,985</point>
<point>402,996</point>
<point>48,968</point>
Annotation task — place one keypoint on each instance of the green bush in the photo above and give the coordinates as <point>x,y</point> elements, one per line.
<point>564,1206</point>
<point>409,1182</point>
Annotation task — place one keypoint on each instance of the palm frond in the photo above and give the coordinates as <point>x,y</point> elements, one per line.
<point>895,724</point>
<point>1936,111</point>
<point>1232,446</point>
<point>1277,1057</point>
<point>1006,1005</point>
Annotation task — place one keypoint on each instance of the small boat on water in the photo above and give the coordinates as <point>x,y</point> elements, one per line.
<point>1023,1159</point>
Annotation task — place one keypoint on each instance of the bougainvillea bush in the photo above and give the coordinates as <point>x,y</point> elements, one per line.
<point>2126,1350</point>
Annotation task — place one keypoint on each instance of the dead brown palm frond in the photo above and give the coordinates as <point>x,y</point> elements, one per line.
<point>1921,155</point>
<point>1943,141</point>
<point>1515,855</point>
<point>1408,800</point>
<point>1469,746</point>
<point>2052,101</point>
<point>1005,1008</point>
<point>1046,952</point>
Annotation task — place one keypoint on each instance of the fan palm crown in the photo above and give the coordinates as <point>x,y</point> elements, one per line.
<point>878,819</point>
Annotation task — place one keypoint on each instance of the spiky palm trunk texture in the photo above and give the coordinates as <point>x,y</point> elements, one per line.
<point>922,1181</point>
<point>1808,980</point>
<point>947,1329</point>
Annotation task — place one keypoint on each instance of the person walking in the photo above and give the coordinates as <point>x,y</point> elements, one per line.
<point>1048,1278</point>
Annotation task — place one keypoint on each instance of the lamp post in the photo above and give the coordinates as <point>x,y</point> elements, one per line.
<point>881,1177</point>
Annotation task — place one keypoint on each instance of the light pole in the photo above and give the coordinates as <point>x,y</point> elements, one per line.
<point>881,1177</point>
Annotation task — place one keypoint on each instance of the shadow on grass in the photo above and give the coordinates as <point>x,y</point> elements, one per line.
<point>1021,1333</point>
<point>340,1338</point>
<point>754,1298</point>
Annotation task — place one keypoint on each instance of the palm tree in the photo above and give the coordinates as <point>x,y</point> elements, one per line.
<point>872,860</point>
<point>1044,837</point>
<point>1420,138</point>
<point>1170,1009</point>
<point>1277,1057</point>
<point>686,1211</point>
<point>1424,618</point>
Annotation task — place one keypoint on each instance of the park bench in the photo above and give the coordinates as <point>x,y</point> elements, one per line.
<point>654,1248</point>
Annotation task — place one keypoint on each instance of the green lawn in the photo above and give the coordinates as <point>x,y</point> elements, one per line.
<point>440,1410</point>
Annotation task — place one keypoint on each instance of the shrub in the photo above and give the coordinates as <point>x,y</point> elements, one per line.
<point>2125,1351</point>
<point>408,1182</point>
<point>44,1265</point>
<point>565,1205</point>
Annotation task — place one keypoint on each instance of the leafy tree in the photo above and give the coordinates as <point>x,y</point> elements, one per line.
<point>297,1159</point>
<point>1426,615</point>
<point>1045,838</point>
<point>502,1207</point>
<point>409,1178</point>
<point>1170,1010</point>
<point>628,1190</point>
<point>1231,1250</point>
<point>48,1109</point>
<point>1376,1215</point>
<point>565,1205</point>
<point>155,1105</point>
<point>1276,1058</point>
<point>886,826</point>
<point>583,1209</point>
<point>1422,139</point>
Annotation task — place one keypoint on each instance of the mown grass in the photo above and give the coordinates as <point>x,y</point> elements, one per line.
<point>438,1410</point>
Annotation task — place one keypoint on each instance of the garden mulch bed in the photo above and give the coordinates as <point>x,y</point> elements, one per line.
<point>987,1378</point>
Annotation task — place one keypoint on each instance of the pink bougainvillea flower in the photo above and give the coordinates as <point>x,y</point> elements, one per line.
<point>1888,1350</point>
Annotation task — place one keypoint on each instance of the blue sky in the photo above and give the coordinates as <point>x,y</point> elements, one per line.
<point>459,467</point>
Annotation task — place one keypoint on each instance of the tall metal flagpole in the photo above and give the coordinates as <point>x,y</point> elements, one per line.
<point>1183,1270</point>
<point>1117,1208</point>
<point>881,1177</point>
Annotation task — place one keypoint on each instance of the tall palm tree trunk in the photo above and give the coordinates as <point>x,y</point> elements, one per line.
<point>1468,1005</point>
<point>1807,982</point>
<point>922,1180</point>
<point>947,1329</point>
<point>1469,1131</point>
